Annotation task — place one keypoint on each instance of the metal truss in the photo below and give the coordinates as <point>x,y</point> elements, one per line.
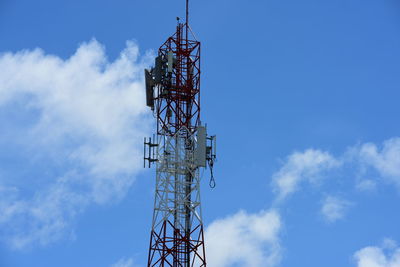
<point>177,237</point>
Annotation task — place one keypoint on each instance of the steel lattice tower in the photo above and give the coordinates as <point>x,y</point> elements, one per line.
<point>180,149</point>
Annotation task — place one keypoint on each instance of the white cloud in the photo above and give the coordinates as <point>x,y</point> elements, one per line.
<point>385,160</point>
<point>386,256</point>
<point>366,185</point>
<point>124,263</point>
<point>244,240</point>
<point>334,208</point>
<point>302,166</point>
<point>89,122</point>
<point>314,165</point>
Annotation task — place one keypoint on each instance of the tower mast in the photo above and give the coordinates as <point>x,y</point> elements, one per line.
<point>187,12</point>
<point>180,149</point>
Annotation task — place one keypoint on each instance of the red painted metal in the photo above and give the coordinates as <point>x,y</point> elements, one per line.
<point>179,105</point>
<point>170,247</point>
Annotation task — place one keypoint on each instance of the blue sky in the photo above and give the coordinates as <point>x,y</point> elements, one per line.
<point>303,96</point>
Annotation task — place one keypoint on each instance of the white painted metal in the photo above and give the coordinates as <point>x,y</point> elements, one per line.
<point>177,197</point>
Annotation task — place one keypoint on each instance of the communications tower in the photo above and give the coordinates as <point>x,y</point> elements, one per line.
<point>180,150</point>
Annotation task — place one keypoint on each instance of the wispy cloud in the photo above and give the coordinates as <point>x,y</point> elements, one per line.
<point>366,185</point>
<point>88,123</point>
<point>307,166</point>
<point>124,263</point>
<point>387,255</point>
<point>314,166</point>
<point>385,159</point>
<point>334,208</point>
<point>245,239</point>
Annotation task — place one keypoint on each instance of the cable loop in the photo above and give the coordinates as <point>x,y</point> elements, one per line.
<point>212,179</point>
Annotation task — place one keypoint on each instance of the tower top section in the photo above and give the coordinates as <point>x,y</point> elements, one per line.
<point>173,84</point>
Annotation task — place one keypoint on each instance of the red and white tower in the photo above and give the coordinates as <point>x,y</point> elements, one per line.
<point>180,149</point>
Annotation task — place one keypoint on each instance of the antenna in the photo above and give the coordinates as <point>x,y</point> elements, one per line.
<point>187,12</point>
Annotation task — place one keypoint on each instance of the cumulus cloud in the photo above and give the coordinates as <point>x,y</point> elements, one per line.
<point>245,239</point>
<point>87,119</point>
<point>307,166</point>
<point>387,255</point>
<point>334,208</point>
